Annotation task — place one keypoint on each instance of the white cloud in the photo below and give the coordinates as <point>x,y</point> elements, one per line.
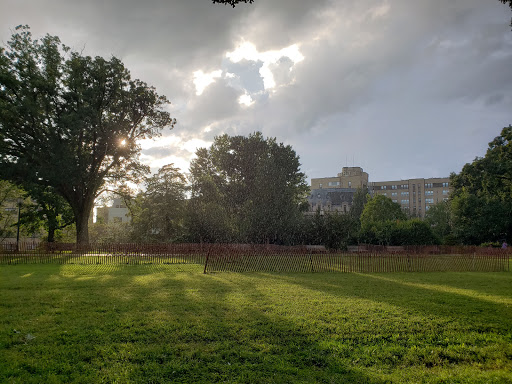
<point>248,51</point>
<point>193,144</point>
<point>157,163</point>
<point>246,100</point>
<point>202,80</point>
<point>163,141</point>
<point>379,11</point>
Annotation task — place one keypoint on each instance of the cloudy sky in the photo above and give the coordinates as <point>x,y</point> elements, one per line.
<point>401,88</point>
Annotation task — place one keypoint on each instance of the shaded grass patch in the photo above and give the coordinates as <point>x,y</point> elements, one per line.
<point>158,323</point>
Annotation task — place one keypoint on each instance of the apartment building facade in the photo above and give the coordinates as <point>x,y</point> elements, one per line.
<point>415,196</point>
<point>335,194</point>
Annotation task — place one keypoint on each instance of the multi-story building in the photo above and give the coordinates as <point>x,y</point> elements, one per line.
<point>415,196</point>
<point>331,194</point>
<point>349,178</point>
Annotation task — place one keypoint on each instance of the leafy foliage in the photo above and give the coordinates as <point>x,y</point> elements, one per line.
<point>49,210</point>
<point>158,213</point>
<point>439,219</point>
<point>482,194</point>
<point>379,209</point>
<point>71,122</point>
<point>247,188</point>
<point>9,196</point>
<point>384,222</point>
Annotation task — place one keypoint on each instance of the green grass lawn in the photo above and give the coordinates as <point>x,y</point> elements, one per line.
<point>171,323</point>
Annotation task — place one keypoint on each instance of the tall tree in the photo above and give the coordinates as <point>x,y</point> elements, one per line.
<point>381,208</point>
<point>71,122</point>
<point>378,220</point>
<point>9,197</point>
<point>481,197</point>
<point>258,183</point>
<point>48,210</point>
<point>160,214</point>
<point>440,220</point>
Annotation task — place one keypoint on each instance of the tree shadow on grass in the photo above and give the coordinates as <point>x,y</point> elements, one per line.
<point>438,294</point>
<point>138,324</point>
<point>226,331</point>
<point>425,319</point>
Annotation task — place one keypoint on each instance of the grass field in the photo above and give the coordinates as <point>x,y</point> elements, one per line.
<point>171,323</point>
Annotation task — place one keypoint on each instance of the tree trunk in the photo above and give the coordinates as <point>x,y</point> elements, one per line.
<point>51,230</point>
<point>82,213</point>
<point>82,227</point>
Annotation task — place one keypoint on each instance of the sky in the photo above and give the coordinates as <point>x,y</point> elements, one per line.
<point>404,89</point>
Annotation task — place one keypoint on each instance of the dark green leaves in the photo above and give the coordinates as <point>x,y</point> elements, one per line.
<point>71,122</point>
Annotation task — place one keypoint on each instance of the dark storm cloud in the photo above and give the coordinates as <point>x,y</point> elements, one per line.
<point>217,102</point>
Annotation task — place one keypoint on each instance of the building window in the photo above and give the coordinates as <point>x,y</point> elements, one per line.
<point>404,186</point>
<point>406,201</point>
<point>445,191</point>
<point>429,193</point>
<point>429,201</point>
<point>405,193</point>
<point>393,193</point>
<point>395,201</point>
<point>384,194</point>
<point>320,185</point>
<point>393,187</point>
<point>350,184</point>
<point>428,185</point>
<point>445,185</point>
<point>334,183</point>
<point>384,187</point>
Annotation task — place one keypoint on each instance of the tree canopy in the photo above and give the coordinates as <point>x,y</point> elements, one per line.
<point>158,212</point>
<point>482,194</point>
<point>255,182</point>
<point>72,122</point>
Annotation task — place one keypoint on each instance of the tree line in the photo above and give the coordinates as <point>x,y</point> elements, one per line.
<point>250,189</point>
<point>70,127</point>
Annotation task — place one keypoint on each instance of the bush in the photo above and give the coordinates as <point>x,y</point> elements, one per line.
<point>407,232</point>
<point>493,244</point>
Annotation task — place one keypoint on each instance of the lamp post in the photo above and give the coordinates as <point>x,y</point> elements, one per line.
<point>18,230</point>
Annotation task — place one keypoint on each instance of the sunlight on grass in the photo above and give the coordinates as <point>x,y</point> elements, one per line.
<point>139,324</point>
<point>444,288</point>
